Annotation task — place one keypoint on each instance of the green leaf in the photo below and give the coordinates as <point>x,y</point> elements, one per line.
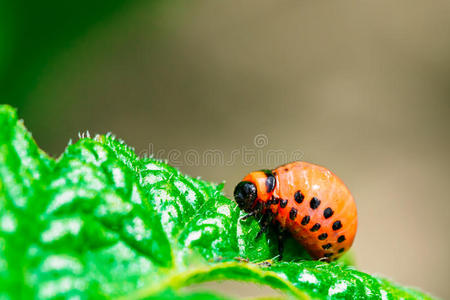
<point>99,222</point>
<point>171,294</point>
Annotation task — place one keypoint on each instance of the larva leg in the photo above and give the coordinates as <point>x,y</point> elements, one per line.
<point>243,218</point>
<point>264,227</point>
<point>265,222</point>
<point>281,236</point>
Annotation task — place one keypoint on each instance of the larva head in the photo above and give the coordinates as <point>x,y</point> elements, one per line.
<point>255,186</point>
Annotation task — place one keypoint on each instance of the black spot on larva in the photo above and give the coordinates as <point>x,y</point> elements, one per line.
<point>270,181</point>
<point>322,236</point>
<point>315,227</point>
<point>328,212</point>
<point>283,203</point>
<point>335,259</point>
<point>328,254</point>
<point>337,225</point>
<point>341,238</point>
<point>326,246</point>
<point>293,214</point>
<point>275,200</point>
<point>314,203</point>
<point>305,220</point>
<point>341,250</point>
<point>298,196</point>
<point>286,169</point>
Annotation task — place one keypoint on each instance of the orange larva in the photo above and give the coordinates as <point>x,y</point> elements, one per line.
<point>311,202</point>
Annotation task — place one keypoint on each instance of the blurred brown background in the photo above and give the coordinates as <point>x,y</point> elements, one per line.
<point>360,87</point>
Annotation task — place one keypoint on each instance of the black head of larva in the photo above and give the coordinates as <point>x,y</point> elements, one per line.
<point>245,195</point>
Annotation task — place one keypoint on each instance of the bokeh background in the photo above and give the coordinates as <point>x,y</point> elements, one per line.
<point>362,87</point>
